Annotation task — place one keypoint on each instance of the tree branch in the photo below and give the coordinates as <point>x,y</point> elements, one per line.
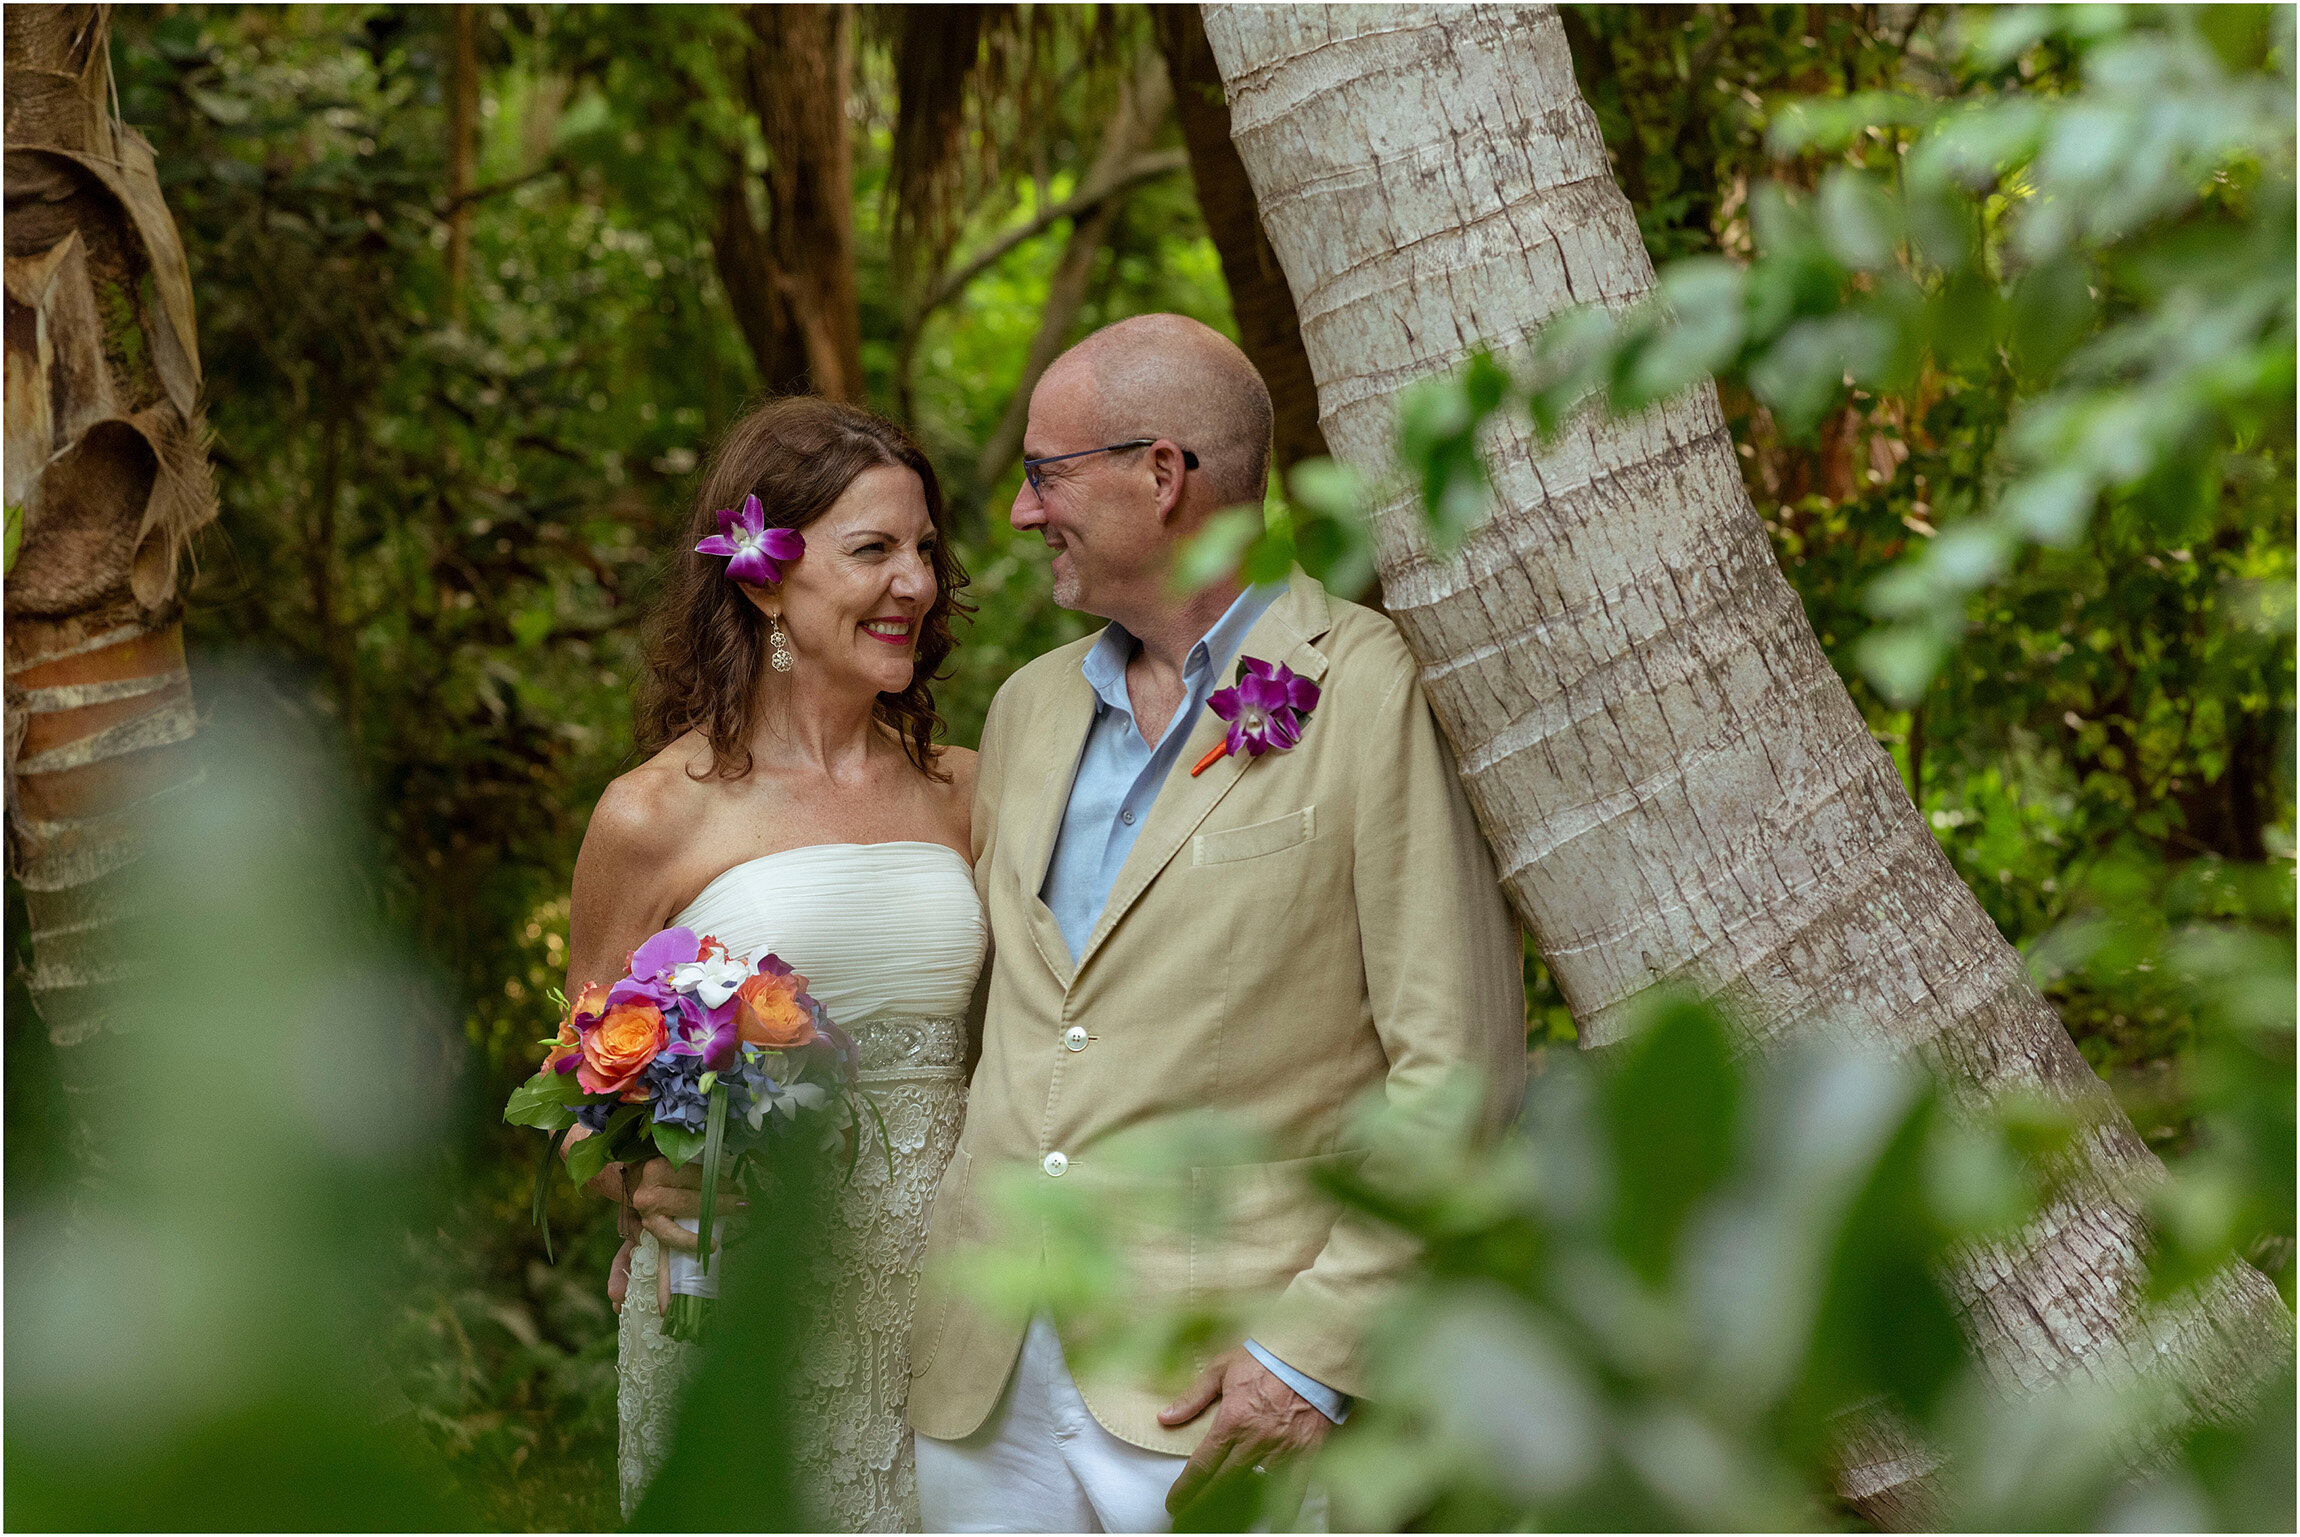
<point>1141,110</point>
<point>551,167</point>
<point>1085,200</point>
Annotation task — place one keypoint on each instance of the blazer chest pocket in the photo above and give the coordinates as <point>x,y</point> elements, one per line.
<point>1253,842</point>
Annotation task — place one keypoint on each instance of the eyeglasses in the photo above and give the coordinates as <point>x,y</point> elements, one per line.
<point>1038,487</point>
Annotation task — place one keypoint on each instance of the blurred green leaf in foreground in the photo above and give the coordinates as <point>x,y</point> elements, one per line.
<point>191,1340</point>
<point>1689,1280</point>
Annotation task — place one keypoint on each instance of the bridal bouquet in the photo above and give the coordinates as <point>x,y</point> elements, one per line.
<point>694,1054</point>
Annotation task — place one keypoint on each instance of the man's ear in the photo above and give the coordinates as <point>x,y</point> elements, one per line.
<point>1169,476</point>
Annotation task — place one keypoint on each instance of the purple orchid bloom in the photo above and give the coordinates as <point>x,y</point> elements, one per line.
<point>840,1043</point>
<point>651,967</point>
<point>1265,709</point>
<point>756,548</point>
<point>699,1032</point>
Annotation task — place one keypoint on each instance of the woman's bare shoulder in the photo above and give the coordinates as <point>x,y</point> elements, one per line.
<point>652,806</point>
<point>961,764</point>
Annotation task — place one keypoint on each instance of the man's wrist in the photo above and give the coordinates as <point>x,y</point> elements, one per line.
<point>1330,1402</point>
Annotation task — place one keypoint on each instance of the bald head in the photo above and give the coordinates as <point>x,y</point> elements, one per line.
<point>1168,376</point>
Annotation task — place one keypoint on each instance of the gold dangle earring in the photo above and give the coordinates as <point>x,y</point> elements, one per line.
<point>779,658</point>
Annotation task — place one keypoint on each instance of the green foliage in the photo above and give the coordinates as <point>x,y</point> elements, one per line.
<point>1662,1302</point>
<point>2118,701</point>
<point>2103,255</point>
<point>2085,361</point>
<point>207,1337</point>
<point>453,523</point>
<point>452,515</point>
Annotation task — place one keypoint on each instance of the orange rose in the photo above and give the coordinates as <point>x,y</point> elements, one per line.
<point>589,1003</point>
<point>619,1047</point>
<point>768,1012</point>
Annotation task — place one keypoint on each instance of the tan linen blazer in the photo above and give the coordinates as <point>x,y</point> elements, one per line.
<point>1288,934</point>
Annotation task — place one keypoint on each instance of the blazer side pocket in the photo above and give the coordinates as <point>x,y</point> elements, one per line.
<point>1253,842</point>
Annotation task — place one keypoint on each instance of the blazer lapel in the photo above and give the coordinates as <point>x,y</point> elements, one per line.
<point>1072,716</point>
<point>1283,633</point>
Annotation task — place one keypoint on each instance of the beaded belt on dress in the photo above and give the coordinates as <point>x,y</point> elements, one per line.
<point>895,1042</point>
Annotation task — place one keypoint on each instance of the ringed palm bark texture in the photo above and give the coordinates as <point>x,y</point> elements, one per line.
<point>1675,783</point>
<point>106,456</point>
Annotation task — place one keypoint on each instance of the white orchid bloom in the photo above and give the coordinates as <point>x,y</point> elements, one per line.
<point>799,1096</point>
<point>711,977</point>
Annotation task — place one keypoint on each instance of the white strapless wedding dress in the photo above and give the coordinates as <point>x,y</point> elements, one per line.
<point>890,938</point>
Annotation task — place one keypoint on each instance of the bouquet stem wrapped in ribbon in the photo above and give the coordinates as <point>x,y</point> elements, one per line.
<point>694,1054</point>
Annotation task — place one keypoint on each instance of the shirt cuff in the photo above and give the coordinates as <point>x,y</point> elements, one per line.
<point>1334,1406</point>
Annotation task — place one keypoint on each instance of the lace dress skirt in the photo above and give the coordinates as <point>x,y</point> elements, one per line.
<point>851,1450</point>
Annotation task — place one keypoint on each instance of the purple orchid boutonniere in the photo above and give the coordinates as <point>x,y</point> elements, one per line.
<point>756,548</point>
<point>1266,709</point>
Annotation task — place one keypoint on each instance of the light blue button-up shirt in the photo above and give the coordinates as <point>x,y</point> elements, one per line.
<point>1119,773</point>
<point>1119,776</point>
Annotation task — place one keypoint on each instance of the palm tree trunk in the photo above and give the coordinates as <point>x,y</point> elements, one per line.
<point>106,458</point>
<point>1675,784</point>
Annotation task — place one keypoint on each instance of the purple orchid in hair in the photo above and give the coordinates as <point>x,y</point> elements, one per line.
<point>1266,709</point>
<point>756,549</point>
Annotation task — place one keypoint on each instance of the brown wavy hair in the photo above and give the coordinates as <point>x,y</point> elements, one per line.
<point>706,643</point>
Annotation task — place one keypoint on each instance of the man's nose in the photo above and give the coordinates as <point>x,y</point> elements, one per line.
<point>1027,512</point>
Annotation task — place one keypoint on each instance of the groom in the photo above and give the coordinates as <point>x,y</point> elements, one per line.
<point>1271,938</point>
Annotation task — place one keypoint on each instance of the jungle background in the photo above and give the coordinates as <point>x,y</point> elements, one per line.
<point>474,301</point>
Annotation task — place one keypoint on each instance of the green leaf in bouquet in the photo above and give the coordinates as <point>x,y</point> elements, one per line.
<point>678,1144</point>
<point>885,1137</point>
<point>595,1152</point>
<point>547,1101</point>
<point>543,1190</point>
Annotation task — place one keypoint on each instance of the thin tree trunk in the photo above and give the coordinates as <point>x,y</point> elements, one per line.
<point>747,276</point>
<point>1675,784</point>
<point>792,284</point>
<point>1133,124</point>
<point>462,133</point>
<point>1260,301</point>
<point>106,456</point>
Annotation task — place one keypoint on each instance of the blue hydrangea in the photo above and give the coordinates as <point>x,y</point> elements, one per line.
<point>593,1117</point>
<point>675,1081</point>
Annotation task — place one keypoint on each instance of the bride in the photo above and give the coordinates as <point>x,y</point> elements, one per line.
<point>796,801</point>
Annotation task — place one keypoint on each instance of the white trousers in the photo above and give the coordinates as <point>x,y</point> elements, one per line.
<point>1042,1462</point>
